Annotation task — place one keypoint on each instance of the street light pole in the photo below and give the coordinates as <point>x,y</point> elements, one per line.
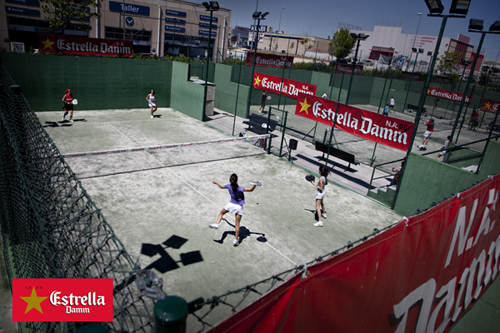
<point>359,38</point>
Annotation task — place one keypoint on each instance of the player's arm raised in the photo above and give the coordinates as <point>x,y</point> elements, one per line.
<point>217,183</point>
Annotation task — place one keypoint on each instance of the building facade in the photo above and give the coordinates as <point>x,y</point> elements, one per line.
<point>155,26</point>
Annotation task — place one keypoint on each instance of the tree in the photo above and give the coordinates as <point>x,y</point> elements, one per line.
<point>448,62</point>
<point>306,42</point>
<point>62,12</point>
<point>343,43</point>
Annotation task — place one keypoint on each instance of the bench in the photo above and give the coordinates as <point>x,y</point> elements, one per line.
<point>340,154</point>
<point>412,107</point>
<point>258,124</point>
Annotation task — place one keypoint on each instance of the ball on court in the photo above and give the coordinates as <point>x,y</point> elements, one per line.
<point>249,137</point>
<point>234,161</point>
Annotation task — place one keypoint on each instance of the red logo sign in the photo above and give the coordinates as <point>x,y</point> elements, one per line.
<point>269,60</point>
<point>385,130</point>
<point>62,300</point>
<point>288,88</point>
<point>447,94</point>
<point>489,105</point>
<point>82,45</point>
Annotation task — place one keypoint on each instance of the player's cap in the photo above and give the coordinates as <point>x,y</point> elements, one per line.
<point>68,90</point>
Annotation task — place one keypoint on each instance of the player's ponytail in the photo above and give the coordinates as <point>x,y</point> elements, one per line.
<point>234,182</point>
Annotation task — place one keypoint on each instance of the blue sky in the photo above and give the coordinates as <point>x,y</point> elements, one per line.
<point>319,17</point>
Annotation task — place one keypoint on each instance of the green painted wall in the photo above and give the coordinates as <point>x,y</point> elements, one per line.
<point>491,163</point>
<point>187,97</point>
<point>427,180</point>
<point>97,82</point>
<point>226,91</point>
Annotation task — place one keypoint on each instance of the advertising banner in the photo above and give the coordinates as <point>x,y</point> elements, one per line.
<point>421,275</point>
<point>347,68</point>
<point>62,300</point>
<point>489,105</point>
<point>372,126</point>
<point>269,60</point>
<point>288,88</point>
<point>447,94</point>
<point>65,44</point>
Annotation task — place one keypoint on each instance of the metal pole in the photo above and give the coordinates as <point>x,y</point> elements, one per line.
<point>334,119</point>
<point>208,61</point>
<point>411,79</point>
<point>469,80</point>
<point>237,94</point>
<point>383,90</point>
<point>421,105</point>
<point>283,132</point>
<point>487,142</point>
<point>352,73</point>
<point>256,40</point>
<point>465,114</point>
<point>281,87</point>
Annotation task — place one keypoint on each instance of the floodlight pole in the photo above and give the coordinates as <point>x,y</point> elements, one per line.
<point>483,33</point>
<point>411,79</point>
<point>421,103</point>
<point>358,37</point>
<point>253,65</point>
<point>208,62</point>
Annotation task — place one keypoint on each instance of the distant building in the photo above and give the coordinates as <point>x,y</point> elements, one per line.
<point>239,36</point>
<point>155,26</point>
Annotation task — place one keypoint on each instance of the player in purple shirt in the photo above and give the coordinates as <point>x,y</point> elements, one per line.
<point>235,205</point>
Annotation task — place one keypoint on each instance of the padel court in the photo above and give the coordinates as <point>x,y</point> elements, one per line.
<point>160,203</point>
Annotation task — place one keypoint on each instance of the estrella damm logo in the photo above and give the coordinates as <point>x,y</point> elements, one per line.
<point>62,300</point>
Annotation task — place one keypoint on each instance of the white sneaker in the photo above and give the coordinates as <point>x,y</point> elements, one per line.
<point>213,226</point>
<point>152,117</point>
<point>236,242</point>
<point>71,120</point>
<point>318,224</point>
<point>63,118</point>
<point>323,215</point>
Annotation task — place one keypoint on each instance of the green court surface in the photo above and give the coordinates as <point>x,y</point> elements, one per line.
<point>149,197</point>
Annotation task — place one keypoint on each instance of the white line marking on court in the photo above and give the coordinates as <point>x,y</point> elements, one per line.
<point>129,139</point>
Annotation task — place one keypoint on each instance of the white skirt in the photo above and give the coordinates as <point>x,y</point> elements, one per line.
<point>234,208</point>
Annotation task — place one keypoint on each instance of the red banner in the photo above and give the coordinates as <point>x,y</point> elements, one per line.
<point>385,130</point>
<point>269,60</point>
<point>421,275</point>
<point>289,88</point>
<point>447,94</point>
<point>347,68</point>
<point>489,105</point>
<point>82,45</point>
<point>62,300</point>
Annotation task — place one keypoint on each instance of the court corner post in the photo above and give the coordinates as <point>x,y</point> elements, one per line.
<point>170,315</point>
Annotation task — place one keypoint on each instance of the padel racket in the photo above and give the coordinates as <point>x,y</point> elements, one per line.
<point>310,178</point>
<point>255,183</point>
<point>75,101</point>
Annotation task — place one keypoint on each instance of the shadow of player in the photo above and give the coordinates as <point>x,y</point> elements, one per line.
<point>244,233</point>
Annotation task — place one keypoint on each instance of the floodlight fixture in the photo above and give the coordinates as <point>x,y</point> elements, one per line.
<point>460,7</point>
<point>264,15</point>
<point>206,4</point>
<point>476,24</point>
<point>414,49</point>
<point>435,6</point>
<point>429,53</point>
<point>466,62</point>
<point>421,50</point>
<point>495,26</point>
<point>256,15</point>
<point>214,5</point>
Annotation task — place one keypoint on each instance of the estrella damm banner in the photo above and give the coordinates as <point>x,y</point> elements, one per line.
<point>372,126</point>
<point>62,300</point>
